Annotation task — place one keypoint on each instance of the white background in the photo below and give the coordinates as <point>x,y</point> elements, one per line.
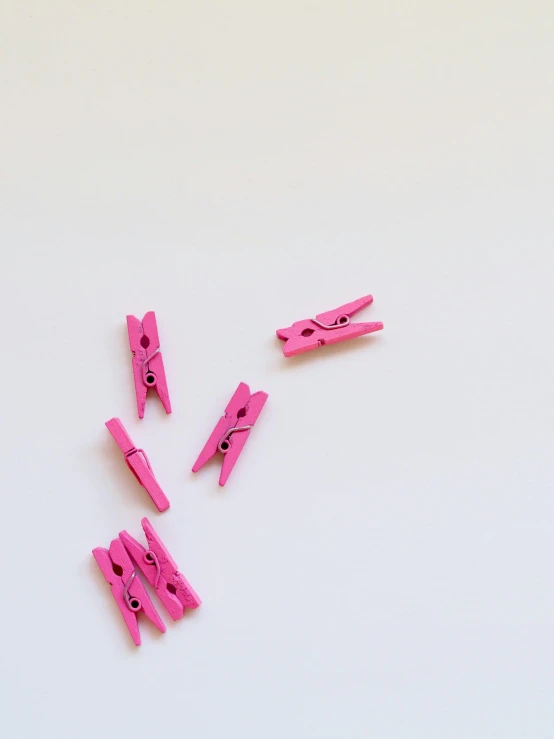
<point>380,563</point>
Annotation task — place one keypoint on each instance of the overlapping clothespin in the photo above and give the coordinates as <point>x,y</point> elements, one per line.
<point>232,430</point>
<point>127,589</point>
<point>331,327</point>
<point>162,573</point>
<point>159,569</point>
<point>138,463</point>
<point>148,366</point>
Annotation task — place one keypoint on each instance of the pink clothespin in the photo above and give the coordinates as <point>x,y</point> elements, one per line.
<point>326,328</point>
<point>162,573</point>
<point>148,366</point>
<point>138,463</point>
<point>127,589</point>
<point>232,430</point>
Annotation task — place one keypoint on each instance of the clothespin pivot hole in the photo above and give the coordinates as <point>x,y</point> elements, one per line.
<point>150,379</point>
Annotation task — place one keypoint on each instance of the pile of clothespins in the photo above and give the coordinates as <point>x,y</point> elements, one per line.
<point>228,438</point>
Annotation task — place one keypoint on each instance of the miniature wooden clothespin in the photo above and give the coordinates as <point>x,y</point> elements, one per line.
<point>159,569</point>
<point>162,573</point>
<point>326,328</point>
<point>148,366</point>
<point>232,430</point>
<point>138,463</point>
<point>127,589</point>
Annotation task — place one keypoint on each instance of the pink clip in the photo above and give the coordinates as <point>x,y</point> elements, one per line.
<point>148,366</point>
<point>127,589</point>
<point>162,573</point>
<point>232,430</point>
<point>326,328</point>
<point>138,463</point>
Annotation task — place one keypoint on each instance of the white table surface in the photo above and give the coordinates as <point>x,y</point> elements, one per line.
<point>380,562</point>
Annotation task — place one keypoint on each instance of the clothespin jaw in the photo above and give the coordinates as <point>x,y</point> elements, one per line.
<point>162,573</point>
<point>148,366</point>
<point>232,430</point>
<point>331,327</point>
<point>127,589</point>
<point>138,463</point>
